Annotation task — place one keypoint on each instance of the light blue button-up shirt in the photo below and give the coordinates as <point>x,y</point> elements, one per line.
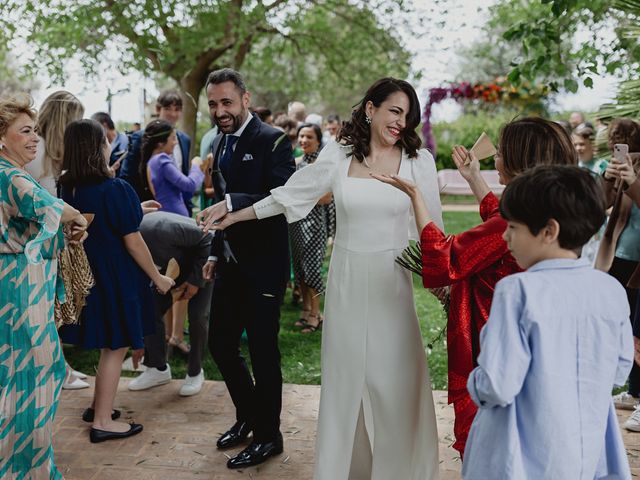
<point>557,340</point>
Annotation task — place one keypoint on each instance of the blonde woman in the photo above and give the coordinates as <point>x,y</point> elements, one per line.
<point>58,110</point>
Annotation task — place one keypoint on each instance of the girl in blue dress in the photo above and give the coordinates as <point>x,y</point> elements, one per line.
<point>120,308</point>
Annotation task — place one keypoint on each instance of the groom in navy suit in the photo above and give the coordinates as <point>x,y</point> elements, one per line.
<point>251,264</point>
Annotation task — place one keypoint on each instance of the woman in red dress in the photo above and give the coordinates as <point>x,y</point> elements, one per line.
<point>472,262</point>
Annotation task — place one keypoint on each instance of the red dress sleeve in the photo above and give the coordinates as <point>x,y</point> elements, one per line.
<point>447,259</point>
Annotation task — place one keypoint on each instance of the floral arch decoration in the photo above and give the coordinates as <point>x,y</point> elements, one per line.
<point>529,98</point>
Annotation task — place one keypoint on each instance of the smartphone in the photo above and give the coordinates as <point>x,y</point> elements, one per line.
<point>620,151</point>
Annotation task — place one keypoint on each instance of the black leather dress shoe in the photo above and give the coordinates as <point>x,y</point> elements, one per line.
<point>256,453</point>
<point>234,436</point>
<point>97,436</point>
<point>90,413</point>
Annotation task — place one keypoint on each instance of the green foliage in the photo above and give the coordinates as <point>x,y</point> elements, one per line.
<point>496,52</point>
<point>334,47</point>
<point>465,131</point>
<point>343,48</point>
<point>550,50</point>
<point>13,78</point>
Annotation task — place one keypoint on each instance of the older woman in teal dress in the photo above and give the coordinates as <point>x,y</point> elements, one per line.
<point>31,363</point>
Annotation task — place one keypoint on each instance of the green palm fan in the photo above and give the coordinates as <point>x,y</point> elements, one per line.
<point>628,98</point>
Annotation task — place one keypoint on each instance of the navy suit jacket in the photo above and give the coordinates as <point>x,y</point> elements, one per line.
<point>119,147</point>
<point>262,161</point>
<point>130,168</point>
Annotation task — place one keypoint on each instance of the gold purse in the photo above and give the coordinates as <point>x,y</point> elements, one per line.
<point>77,277</point>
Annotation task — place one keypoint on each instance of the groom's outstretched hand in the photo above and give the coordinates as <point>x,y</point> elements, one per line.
<point>210,216</point>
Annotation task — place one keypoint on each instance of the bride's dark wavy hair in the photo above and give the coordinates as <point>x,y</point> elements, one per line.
<point>357,133</point>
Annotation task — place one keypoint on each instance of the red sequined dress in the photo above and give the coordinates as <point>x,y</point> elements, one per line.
<point>471,262</point>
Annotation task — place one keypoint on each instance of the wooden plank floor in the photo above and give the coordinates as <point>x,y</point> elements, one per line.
<point>178,442</point>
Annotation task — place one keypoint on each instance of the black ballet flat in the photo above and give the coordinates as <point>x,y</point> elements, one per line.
<point>97,436</point>
<point>89,414</point>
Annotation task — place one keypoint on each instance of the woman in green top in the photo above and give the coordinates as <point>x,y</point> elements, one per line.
<point>31,363</point>
<point>619,252</point>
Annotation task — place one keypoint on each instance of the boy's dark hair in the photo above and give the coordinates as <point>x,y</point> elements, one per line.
<point>83,158</point>
<point>571,195</point>
<point>333,118</point>
<point>169,98</point>
<point>227,75</point>
<point>104,118</point>
<point>586,133</point>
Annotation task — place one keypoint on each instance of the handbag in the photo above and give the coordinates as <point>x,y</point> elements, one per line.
<point>77,278</point>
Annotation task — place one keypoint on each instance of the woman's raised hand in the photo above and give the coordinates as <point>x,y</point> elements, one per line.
<point>420,210</point>
<point>460,156</point>
<point>407,186</point>
<point>626,171</point>
<point>206,163</point>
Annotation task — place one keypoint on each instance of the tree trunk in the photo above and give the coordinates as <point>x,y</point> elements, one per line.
<point>191,89</point>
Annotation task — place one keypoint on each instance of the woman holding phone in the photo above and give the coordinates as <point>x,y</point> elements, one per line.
<point>619,252</point>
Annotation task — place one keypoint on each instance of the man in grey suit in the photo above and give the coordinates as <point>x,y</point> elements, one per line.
<point>174,236</point>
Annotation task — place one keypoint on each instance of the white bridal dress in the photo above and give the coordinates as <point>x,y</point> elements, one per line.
<point>376,419</point>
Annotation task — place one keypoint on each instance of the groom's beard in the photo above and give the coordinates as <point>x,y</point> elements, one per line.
<point>234,125</point>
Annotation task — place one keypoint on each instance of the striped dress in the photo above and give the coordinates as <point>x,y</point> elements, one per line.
<point>31,362</point>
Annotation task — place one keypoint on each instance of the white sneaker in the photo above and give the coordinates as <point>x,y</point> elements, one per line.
<point>80,375</point>
<point>151,377</point>
<point>192,385</point>
<point>633,424</point>
<point>625,401</point>
<point>72,382</point>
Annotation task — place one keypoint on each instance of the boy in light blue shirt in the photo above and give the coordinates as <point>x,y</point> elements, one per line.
<point>551,350</point>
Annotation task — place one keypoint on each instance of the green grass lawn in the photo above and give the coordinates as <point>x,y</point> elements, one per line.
<point>301,352</point>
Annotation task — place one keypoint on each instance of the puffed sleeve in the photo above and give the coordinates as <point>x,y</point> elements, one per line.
<point>425,175</point>
<point>301,193</point>
<point>447,259</point>
<point>30,201</point>
<point>122,208</point>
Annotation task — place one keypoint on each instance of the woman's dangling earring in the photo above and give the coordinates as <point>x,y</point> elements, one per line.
<point>367,119</point>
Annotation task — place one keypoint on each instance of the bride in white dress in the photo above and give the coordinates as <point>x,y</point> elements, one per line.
<point>376,419</point>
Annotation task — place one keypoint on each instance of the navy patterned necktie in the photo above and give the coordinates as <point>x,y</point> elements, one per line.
<point>225,158</point>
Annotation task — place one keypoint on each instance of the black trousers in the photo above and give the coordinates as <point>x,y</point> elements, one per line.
<point>155,347</point>
<point>238,306</point>
<point>621,270</point>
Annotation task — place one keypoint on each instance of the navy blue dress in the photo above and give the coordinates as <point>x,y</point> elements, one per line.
<point>120,309</point>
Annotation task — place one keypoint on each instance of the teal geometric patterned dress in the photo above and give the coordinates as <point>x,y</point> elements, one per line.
<point>31,362</point>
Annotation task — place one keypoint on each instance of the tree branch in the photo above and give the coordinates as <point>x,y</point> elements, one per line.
<point>245,46</point>
<point>275,4</point>
<point>204,61</point>
<point>132,36</point>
